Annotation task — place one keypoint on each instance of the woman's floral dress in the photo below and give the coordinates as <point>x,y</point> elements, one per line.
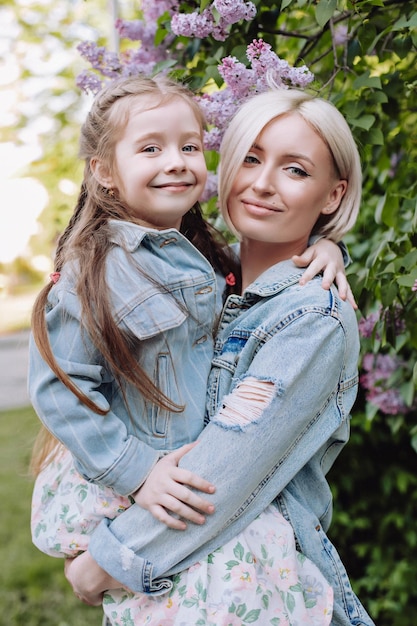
<point>256,578</point>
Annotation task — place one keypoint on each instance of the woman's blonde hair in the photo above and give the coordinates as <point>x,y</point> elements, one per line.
<point>87,241</point>
<point>325,120</point>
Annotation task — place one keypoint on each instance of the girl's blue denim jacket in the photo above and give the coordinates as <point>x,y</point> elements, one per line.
<point>303,343</point>
<point>173,323</point>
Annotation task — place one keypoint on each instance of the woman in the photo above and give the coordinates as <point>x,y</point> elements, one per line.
<point>284,374</point>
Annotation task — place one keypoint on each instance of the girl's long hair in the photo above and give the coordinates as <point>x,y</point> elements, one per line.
<point>86,240</point>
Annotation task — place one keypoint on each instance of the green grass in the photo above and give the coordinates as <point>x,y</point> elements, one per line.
<point>33,589</point>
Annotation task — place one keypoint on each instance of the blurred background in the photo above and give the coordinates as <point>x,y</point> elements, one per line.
<point>40,113</point>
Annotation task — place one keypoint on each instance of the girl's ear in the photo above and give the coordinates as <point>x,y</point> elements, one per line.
<point>101,173</point>
<point>335,197</point>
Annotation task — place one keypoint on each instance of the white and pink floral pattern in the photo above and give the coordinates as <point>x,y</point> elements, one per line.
<point>256,578</point>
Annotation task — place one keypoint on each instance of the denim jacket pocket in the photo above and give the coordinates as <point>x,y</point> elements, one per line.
<point>163,380</point>
<point>155,314</point>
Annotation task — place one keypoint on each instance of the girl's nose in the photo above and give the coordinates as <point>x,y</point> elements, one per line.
<point>175,161</point>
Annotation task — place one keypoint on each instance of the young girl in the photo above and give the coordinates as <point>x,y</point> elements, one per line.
<point>130,292</point>
<point>283,380</point>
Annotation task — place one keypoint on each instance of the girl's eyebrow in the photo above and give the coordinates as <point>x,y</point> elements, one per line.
<point>157,134</point>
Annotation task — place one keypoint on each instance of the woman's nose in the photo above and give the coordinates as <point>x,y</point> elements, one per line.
<point>264,182</point>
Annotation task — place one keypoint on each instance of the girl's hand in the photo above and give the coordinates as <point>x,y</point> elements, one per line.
<point>88,580</point>
<point>164,490</point>
<point>325,255</point>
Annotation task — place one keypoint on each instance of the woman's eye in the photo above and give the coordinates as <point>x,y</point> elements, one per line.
<point>251,159</point>
<point>297,171</point>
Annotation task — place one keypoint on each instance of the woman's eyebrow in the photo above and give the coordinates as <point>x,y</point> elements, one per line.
<point>289,155</point>
<point>303,157</point>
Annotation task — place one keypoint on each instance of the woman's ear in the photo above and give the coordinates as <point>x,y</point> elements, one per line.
<point>101,173</point>
<point>335,197</point>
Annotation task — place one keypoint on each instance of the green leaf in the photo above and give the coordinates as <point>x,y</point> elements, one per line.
<point>408,280</point>
<point>163,65</point>
<point>239,552</point>
<point>365,121</point>
<point>365,80</point>
<point>252,616</point>
<point>324,11</point>
<point>375,137</point>
<point>160,35</point>
<point>290,602</point>
<point>241,610</point>
<point>403,22</point>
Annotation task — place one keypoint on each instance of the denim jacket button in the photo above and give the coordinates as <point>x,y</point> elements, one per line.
<point>203,290</point>
<point>166,242</point>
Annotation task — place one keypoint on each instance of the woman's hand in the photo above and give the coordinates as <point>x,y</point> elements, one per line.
<point>164,490</point>
<point>325,256</point>
<point>88,580</point>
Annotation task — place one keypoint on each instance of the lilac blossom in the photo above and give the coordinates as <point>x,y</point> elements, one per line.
<point>153,9</point>
<point>193,24</point>
<point>134,61</point>
<point>233,11</point>
<point>106,62</point>
<point>210,190</point>
<point>203,24</point>
<point>242,82</point>
<point>391,317</point>
<point>89,82</point>
<point>341,35</point>
<point>367,325</point>
<point>388,401</point>
<point>376,381</point>
<point>414,287</point>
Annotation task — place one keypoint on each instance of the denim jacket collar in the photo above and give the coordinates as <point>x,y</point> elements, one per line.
<point>130,235</point>
<point>275,279</point>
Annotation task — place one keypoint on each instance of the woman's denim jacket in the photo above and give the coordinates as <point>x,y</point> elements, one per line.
<point>303,343</point>
<point>120,448</point>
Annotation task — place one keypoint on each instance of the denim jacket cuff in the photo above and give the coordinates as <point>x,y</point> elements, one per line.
<point>131,570</point>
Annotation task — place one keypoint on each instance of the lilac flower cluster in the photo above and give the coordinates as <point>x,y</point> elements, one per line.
<point>134,61</point>
<point>379,369</point>
<point>105,62</point>
<point>242,82</point>
<point>391,317</point>
<point>367,325</point>
<point>207,23</point>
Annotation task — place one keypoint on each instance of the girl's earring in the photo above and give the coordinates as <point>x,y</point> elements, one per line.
<point>109,191</point>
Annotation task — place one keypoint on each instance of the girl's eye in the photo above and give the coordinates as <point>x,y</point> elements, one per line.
<point>151,149</point>
<point>250,159</point>
<point>297,171</point>
<point>189,148</point>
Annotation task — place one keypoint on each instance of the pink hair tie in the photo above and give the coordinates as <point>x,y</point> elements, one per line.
<point>231,279</point>
<point>55,276</point>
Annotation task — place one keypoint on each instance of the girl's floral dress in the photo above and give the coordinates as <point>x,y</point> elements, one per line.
<point>256,578</point>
